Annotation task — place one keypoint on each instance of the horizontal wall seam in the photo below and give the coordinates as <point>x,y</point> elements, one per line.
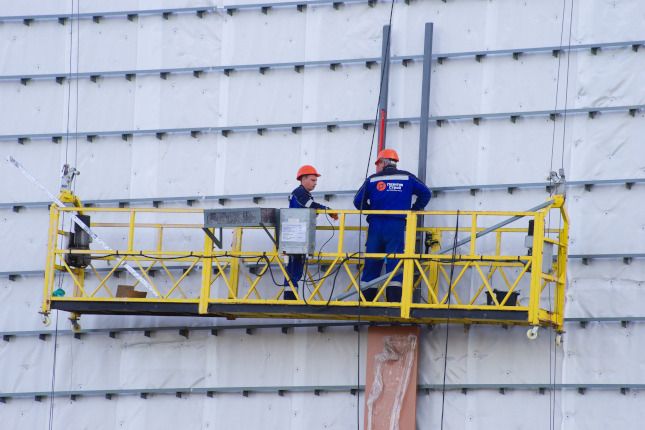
<point>331,126</point>
<point>256,198</point>
<point>252,329</point>
<point>144,393</point>
<point>198,11</point>
<point>297,66</point>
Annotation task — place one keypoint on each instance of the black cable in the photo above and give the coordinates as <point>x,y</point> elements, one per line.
<point>340,265</point>
<point>69,83</point>
<point>445,356</point>
<point>360,218</point>
<point>53,378</point>
<point>552,350</point>
<point>320,249</point>
<point>78,58</point>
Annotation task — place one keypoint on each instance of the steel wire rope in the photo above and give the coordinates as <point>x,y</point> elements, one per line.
<point>552,349</point>
<point>445,351</point>
<point>360,215</point>
<point>53,376</point>
<point>60,239</point>
<point>78,57</point>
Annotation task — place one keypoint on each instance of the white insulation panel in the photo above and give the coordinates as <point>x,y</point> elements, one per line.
<point>604,219</point>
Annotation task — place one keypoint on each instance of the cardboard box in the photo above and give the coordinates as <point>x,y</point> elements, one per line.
<point>129,292</point>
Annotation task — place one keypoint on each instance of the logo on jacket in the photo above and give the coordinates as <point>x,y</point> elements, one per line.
<point>380,185</point>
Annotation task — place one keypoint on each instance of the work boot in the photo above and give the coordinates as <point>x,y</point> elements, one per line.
<point>370,293</point>
<point>393,294</point>
<point>289,295</point>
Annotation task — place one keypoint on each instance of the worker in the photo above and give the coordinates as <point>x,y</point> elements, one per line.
<point>388,189</point>
<point>301,198</point>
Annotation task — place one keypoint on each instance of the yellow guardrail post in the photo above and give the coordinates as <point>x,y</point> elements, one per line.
<point>473,235</point>
<point>207,273</point>
<point>434,265</point>
<point>131,231</point>
<point>50,261</point>
<point>563,251</point>
<point>80,292</point>
<point>234,279</point>
<point>341,233</point>
<point>408,264</point>
<point>536,269</point>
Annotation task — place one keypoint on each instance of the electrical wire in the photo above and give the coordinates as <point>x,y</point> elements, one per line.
<point>445,352</point>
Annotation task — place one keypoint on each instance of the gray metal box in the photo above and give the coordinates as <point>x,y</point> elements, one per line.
<point>297,231</point>
<point>242,217</point>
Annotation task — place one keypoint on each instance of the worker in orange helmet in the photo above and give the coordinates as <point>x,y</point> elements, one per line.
<point>388,189</point>
<point>301,198</point>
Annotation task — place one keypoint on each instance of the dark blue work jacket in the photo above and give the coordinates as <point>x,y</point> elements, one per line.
<point>392,189</point>
<point>301,198</point>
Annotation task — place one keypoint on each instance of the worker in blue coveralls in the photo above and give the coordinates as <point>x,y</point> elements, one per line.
<point>301,198</point>
<point>388,189</point>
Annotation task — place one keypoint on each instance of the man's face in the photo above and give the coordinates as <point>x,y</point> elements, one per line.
<point>379,166</point>
<point>309,182</point>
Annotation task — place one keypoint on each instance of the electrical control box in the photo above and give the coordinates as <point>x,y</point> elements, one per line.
<point>240,217</point>
<point>297,231</point>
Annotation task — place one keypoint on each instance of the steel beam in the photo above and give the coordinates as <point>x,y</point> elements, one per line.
<point>425,102</point>
<point>192,200</point>
<point>25,138</point>
<point>299,65</point>
<point>383,91</point>
<point>145,393</point>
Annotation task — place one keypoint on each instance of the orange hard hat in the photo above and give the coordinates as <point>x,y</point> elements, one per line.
<point>387,153</point>
<point>306,170</point>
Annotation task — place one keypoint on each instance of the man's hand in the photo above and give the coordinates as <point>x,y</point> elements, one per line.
<point>334,216</point>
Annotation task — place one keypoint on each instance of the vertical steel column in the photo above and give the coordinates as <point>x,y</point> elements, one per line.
<point>425,114</point>
<point>385,78</point>
<point>425,101</point>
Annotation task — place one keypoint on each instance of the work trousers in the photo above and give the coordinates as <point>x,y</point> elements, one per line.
<point>384,235</point>
<point>295,267</point>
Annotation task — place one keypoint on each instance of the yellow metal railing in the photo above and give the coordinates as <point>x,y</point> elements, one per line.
<point>490,279</point>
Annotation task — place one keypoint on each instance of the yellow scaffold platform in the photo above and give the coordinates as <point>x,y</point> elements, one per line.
<point>494,276</point>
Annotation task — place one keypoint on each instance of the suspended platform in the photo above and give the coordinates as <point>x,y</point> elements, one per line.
<point>508,267</point>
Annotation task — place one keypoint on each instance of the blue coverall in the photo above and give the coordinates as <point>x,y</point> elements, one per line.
<point>390,189</point>
<point>299,198</point>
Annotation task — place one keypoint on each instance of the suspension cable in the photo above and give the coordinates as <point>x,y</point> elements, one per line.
<point>445,352</point>
<point>552,349</point>
<point>360,218</point>
<point>53,378</point>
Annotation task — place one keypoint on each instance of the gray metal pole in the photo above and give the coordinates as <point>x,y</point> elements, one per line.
<point>425,102</point>
<point>385,78</point>
<point>425,114</point>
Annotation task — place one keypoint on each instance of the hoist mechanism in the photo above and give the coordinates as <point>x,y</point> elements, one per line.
<point>491,267</point>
